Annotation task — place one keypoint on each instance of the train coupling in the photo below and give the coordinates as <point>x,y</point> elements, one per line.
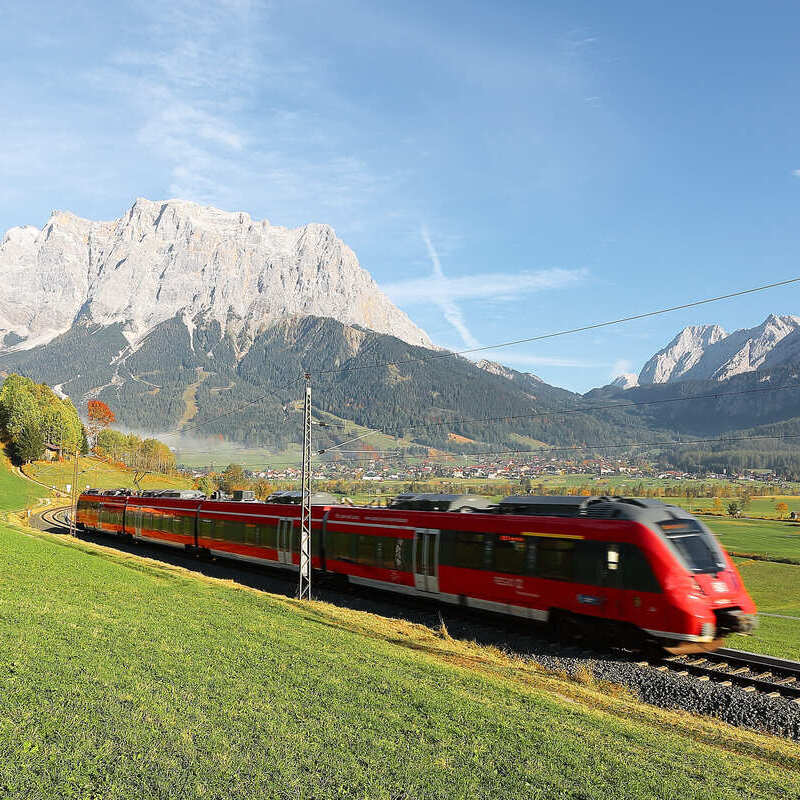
<point>734,620</point>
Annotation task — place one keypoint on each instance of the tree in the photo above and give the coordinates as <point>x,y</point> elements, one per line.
<point>734,509</point>
<point>717,504</point>
<point>100,416</point>
<point>782,508</point>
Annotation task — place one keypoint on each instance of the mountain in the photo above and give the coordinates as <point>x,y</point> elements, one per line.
<point>626,381</point>
<point>707,352</point>
<point>170,259</point>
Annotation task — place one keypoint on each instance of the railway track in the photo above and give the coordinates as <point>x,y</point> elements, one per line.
<point>776,677</point>
<point>56,518</point>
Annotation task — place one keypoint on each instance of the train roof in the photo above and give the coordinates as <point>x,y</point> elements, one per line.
<point>641,509</point>
<point>293,497</point>
<point>440,502</point>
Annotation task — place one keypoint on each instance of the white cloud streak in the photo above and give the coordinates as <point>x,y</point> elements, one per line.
<point>439,293</point>
<point>502,286</point>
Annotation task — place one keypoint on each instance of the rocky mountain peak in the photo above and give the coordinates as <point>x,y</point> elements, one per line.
<point>177,258</point>
<point>707,352</point>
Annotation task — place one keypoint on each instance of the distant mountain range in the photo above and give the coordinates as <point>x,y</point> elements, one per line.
<point>707,352</point>
<point>175,314</point>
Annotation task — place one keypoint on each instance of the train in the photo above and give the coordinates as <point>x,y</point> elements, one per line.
<point>623,571</point>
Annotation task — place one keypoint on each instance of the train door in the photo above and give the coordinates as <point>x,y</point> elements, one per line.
<point>285,536</point>
<point>426,559</point>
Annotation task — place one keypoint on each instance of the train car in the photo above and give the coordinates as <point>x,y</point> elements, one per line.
<point>623,570</point>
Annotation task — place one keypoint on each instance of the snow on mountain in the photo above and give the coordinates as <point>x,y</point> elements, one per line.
<point>626,381</point>
<point>163,259</point>
<point>707,352</point>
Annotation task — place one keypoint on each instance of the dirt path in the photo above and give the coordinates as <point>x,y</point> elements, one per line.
<point>190,396</point>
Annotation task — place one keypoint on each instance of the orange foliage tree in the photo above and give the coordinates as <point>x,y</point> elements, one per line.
<point>100,416</point>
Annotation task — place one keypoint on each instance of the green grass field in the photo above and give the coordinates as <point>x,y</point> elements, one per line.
<point>123,678</point>
<point>771,539</point>
<point>775,588</point>
<point>98,474</point>
<point>16,493</point>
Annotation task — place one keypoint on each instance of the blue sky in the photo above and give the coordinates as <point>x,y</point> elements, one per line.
<point>502,169</point>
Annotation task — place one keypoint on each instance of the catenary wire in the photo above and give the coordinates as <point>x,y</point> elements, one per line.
<point>542,337</point>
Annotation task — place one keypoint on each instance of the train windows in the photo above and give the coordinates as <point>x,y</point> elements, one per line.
<point>510,554</point>
<point>188,526</point>
<point>554,559</point>
<point>636,572</point>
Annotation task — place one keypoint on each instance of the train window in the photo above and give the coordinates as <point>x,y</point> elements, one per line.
<point>554,559</point>
<point>188,526</point>
<point>589,563</point>
<point>509,554</point>
<point>251,533</point>
<point>636,571</point>
<point>341,546</point>
<point>367,546</point>
<point>205,528</point>
<point>267,535</point>
<point>470,550</point>
<point>696,545</point>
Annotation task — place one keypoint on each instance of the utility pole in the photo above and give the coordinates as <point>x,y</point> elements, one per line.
<point>74,500</point>
<point>304,589</point>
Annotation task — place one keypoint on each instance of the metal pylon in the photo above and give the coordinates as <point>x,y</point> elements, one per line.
<point>304,590</point>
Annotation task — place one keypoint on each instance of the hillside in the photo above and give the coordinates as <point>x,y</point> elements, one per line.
<point>232,693</point>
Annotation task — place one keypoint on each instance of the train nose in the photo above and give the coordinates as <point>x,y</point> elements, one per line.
<point>734,620</point>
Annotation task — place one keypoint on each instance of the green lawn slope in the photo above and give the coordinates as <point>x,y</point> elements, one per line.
<point>16,493</point>
<point>126,678</point>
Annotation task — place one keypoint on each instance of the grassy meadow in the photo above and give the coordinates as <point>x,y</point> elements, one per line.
<point>16,493</point>
<point>126,678</point>
<point>98,474</point>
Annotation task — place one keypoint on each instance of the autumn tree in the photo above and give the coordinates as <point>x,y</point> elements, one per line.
<point>100,417</point>
<point>782,508</point>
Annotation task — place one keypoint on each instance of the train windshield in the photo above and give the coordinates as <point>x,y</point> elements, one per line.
<point>696,545</point>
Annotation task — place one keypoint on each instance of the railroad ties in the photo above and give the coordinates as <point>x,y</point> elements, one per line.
<point>776,677</point>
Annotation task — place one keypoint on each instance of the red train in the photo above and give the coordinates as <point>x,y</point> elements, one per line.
<point>628,571</point>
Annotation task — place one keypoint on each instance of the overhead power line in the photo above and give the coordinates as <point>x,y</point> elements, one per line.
<point>542,337</point>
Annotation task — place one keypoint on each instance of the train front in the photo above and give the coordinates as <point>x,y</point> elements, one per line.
<point>709,600</point>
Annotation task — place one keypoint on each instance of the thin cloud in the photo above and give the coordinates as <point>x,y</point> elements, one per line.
<point>503,286</point>
<point>796,173</point>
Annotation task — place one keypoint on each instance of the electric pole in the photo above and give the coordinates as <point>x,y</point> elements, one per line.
<point>304,589</point>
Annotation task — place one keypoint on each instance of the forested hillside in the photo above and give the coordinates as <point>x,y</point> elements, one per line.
<point>176,379</point>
